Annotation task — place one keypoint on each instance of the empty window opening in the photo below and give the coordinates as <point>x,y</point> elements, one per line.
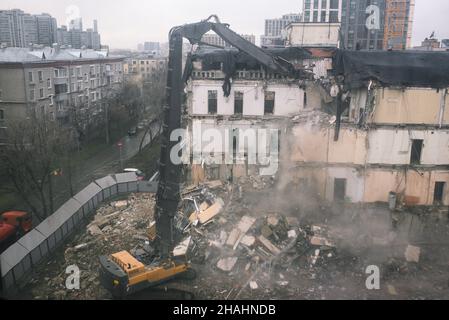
<point>212,102</point>
<point>269,102</point>
<point>238,103</point>
<point>2,114</point>
<point>339,189</point>
<point>439,192</point>
<point>305,100</point>
<point>417,146</point>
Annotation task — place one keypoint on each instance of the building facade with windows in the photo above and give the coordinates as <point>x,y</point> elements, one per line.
<point>61,84</point>
<point>359,141</point>
<point>19,29</point>
<point>377,24</point>
<point>274,29</point>
<point>141,68</point>
<point>322,11</point>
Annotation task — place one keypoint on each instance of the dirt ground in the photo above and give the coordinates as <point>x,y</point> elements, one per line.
<point>335,269</point>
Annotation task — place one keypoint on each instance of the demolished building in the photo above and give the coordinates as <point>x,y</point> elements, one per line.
<point>359,127</point>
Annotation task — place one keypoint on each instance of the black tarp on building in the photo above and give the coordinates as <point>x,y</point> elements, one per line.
<point>393,68</point>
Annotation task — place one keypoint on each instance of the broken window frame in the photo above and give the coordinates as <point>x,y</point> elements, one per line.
<point>416,152</point>
<point>212,102</point>
<point>238,103</point>
<point>340,195</point>
<point>269,102</point>
<point>439,191</point>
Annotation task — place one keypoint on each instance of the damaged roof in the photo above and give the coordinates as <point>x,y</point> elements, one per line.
<point>233,58</point>
<point>393,68</point>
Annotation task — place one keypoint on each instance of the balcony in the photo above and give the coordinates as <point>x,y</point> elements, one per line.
<point>59,80</point>
<point>61,97</point>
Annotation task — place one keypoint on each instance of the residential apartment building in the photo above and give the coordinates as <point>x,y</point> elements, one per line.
<point>141,68</point>
<point>322,11</point>
<point>19,29</point>
<point>274,28</point>
<point>61,84</point>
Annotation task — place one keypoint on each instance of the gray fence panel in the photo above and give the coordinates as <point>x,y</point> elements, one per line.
<point>132,187</point>
<point>8,280</point>
<point>17,258</point>
<point>126,182</point>
<point>146,186</point>
<point>51,242</point>
<point>33,241</point>
<point>107,184</point>
<point>86,198</point>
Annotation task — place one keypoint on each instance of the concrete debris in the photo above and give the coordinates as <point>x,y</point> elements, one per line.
<point>209,213</point>
<point>213,184</point>
<point>412,254</point>
<point>392,290</point>
<point>253,285</point>
<point>233,237</point>
<point>95,230</point>
<point>268,245</point>
<point>227,264</point>
<point>248,241</point>
<point>292,234</point>
<point>245,249</point>
<point>319,241</point>
<point>182,248</point>
<point>120,204</point>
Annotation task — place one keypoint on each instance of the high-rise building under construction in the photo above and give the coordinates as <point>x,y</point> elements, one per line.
<point>377,24</point>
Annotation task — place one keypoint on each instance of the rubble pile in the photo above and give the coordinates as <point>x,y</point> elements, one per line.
<point>237,250</point>
<point>120,225</point>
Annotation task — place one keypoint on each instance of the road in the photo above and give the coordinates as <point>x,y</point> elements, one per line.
<point>104,163</point>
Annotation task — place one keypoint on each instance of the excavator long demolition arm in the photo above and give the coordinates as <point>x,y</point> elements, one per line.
<point>168,195</point>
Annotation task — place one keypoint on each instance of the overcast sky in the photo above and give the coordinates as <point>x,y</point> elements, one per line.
<point>125,23</point>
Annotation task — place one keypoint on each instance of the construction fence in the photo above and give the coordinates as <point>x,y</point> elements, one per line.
<point>18,260</point>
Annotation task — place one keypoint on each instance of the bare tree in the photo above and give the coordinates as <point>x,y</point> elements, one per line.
<point>31,158</point>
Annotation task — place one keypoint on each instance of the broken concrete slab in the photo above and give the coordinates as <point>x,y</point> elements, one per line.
<point>246,223</point>
<point>412,253</point>
<point>152,232</point>
<point>292,234</point>
<point>182,248</point>
<point>321,241</point>
<point>253,285</point>
<point>213,184</point>
<point>268,245</point>
<point>209,213</point>
<point>248,241</point>
<point>120,204</point>
<point>233,237</point>
<point>227,264</point>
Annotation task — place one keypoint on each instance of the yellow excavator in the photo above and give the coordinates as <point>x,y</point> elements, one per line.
<point>121,273</point>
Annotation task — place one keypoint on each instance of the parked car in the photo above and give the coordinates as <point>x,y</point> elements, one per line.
<point>140,175</point>
<point>132,132</point>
